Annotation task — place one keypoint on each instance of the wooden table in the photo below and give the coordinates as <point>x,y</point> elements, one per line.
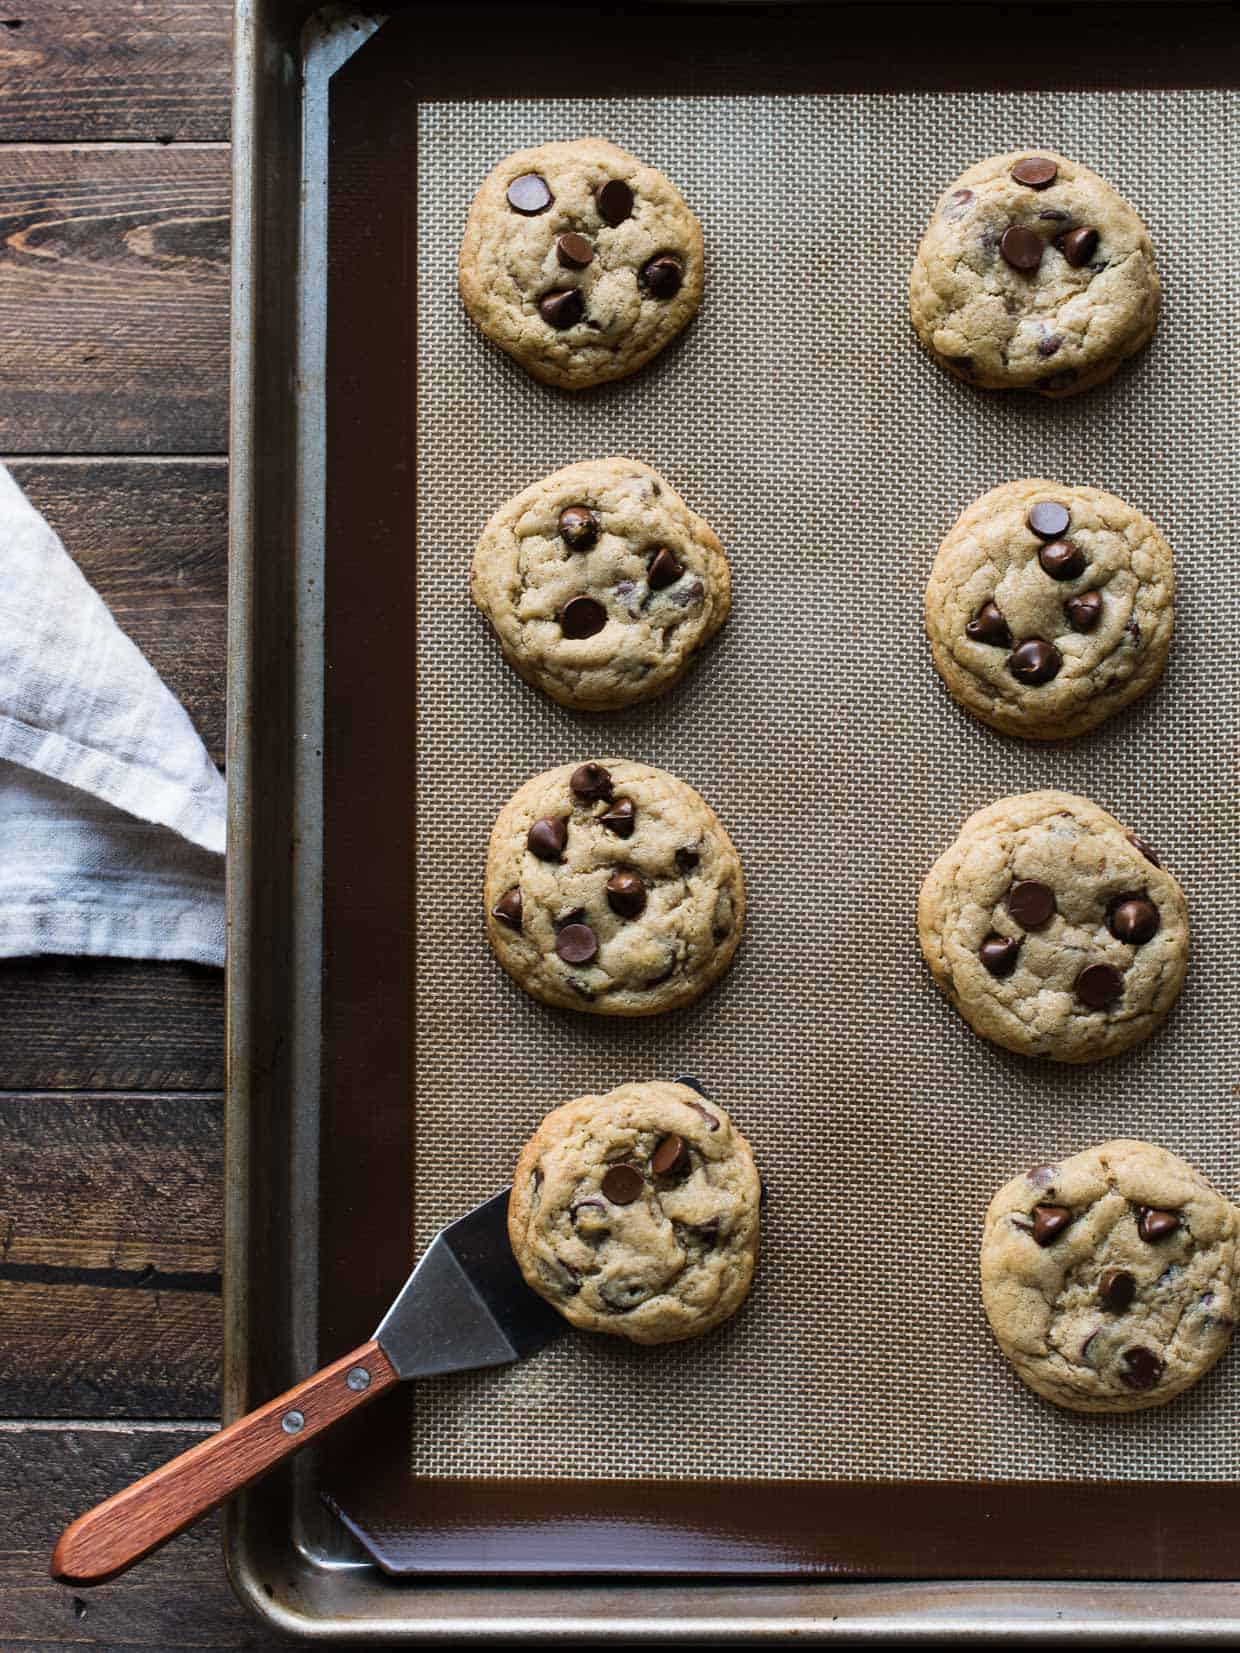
<point>113,415</point>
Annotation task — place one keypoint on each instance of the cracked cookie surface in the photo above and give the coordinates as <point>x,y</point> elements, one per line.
<point>580,261</point>
<point>601,583</point>
<point>612,887</point>
<point>1108,1278</point>
<point>1053,930</point>
<point>636,1213</point>
<point>1033,274</point>
<point>1050,607</point>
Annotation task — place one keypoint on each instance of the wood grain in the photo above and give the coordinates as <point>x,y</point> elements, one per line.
<point>110,1255</point>
<point>113,300</point>
<point>152,537</point>
<point>155,69</point>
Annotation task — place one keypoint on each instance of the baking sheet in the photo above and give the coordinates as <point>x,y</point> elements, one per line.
<point>800,417</point>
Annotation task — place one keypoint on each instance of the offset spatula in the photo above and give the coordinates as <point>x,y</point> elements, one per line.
<point>465,1305</point>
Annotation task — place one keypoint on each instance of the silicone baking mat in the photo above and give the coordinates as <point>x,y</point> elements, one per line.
<point>801,418</point>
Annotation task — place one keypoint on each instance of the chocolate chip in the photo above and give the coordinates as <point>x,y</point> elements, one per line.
<point>1050,344</point>
<point>956,202</point>
<point>664,570</point>
<point>1035,661</point>
<point>1084,610</point>
<point>1144,1368</point>
<point>590,781</point>
<point>622,1184</point>
<point>670,1158</point>
<point>1022,247</point>
<point>686,860</point>
<point>614,200</point>
<point>692,591</point>
<point>1049,1221</point>
<point>575,916</point>
<point>697,1107</point>
<point>579,527</point>
<point>1062,559</point>
<point>576,944</point>
<point>1053,215</point>
<point>706,1233</point>
<point>1140,844</point>
<point>621,818</point>
<point>1088,1345</point>
<point>1041,1176</point>
<point>1135,919</point>
<point>1133,629</point>
<point>1030,903</point>
<point>1079,246</point>
<point>998,954</point>
<point>1099,985</point>
<point>626,894</point>
<point>562,308</point>
<point>508,909</point>
<point>547,837</point>
<point>573,251</point>
<point>989,626</point>
<point>1048,519</point>
<point>582,617</point>
<point>663,276</point>
<point>1035,171</point>
<point>1116,1290</point>
<point>1154,1225</point>
<point>529,194</point>
<point>587,1205</point>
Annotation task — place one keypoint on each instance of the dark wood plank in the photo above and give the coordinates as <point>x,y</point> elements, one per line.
<point>110,1256</point>
<point>113,300</point>
<point>92,70</point>
<point>152,537</point>
<point>179,1598</point>
<point>110,1024</point>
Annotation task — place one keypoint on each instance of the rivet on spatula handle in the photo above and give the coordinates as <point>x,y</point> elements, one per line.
<point>115,1534</point>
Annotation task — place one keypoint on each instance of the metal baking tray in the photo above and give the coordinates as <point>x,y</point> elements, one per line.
<point>321,1027</point>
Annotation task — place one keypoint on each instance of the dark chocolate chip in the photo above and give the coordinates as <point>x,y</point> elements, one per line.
<point>1050,344</point>
<point>621,818</point>
<point>684,596</point>
<point>547,837</point>
<point>664,570</point>
<point>575,916</point>
<point>562,308</point>
<point>622,1184</point>
<point>1048,519</point>
<point>1035,661</point>
<point>576,944</point>
<point>1062,559</point>
<point>579,527</point>
<point>998,954</point>
<point>1022,247</point>
<point>710,1118</point>
<point>1079,246</point>
<point>1143,1368</point>
<point>1035,171</point>
<point>1116,1290</point>
<point>582,617</point>
<point>663,276</point>
<point>573,251</point>
<point>1134,919</point>
<point>508,909</point>
<point>614,200</point>
<point>686,860</point>
<point>1133,629</point>
<point>1099,985</point>
<point>989,626</point>
<point>1053,215</point>
<point>529,194</point>
<point>590,781</point>
<point>670,1158</point>
<point>1030,903</point>
<point>956,202</point>
<point>1041,1176</point>
<point>1153,1225</point>
<point>1049,1222</point>
<point>626,894</point>
<point>1140,844</point>
<point>588,1205</point>
<point>1084,611</point>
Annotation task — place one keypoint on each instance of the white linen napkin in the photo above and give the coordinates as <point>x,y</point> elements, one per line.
<point>111,811</point>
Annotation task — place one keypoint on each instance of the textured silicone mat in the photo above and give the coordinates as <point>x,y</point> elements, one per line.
<point>801,418</point>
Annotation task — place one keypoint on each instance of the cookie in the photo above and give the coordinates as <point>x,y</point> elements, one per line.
<point>580,262</point>
<point>1107,1278</point>
<point>1050,607</point>
<point>1034,274</point>
<point>601,583</point>
<point>1053,930</point>
<point>636,1213</point>
<point>612,887</point>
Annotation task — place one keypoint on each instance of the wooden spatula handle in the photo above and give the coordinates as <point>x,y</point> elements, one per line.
<point>115,1534</point>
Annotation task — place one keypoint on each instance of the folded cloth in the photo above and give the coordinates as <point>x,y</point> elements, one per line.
<point>111,811</point>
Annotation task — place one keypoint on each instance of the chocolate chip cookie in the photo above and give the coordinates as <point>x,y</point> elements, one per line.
<point>1050,607</point>
<point>612,887</point>
<point>580,261</point>
<point>601,583</point>
<point>1054,930</point>
<point>1033,274</point>
<point>636,1213</point>
<point>1107,1278</point>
